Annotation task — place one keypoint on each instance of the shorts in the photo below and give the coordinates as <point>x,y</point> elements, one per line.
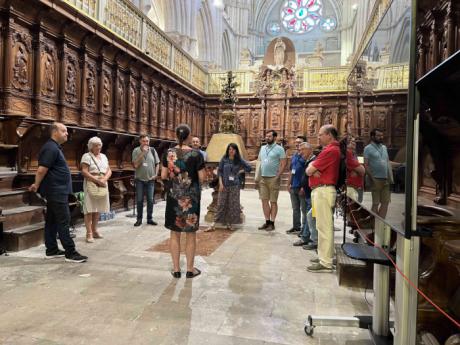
<point>380,191</point>
<point>269,188</point>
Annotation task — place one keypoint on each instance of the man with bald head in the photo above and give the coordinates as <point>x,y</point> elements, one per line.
<point>196,144</point>
<point>54,182</point>
<point>323,174</point>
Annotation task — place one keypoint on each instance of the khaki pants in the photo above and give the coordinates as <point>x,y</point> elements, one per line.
<point>323,202</point>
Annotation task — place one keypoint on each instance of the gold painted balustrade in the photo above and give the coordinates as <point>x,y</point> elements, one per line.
<point>125,20</point>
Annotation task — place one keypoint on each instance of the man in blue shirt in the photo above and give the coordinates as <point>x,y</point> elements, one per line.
<point>196,144</point>
<point>379,169</point>
<point>272,163</point>
<point>54,182</point>
<point>297,171</point>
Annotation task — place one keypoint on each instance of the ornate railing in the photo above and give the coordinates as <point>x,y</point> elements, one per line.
<point>126,21</point>
<point>392,77</point>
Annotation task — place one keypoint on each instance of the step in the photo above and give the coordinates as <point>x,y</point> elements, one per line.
<point>14,198</point>
<point>353,273</point>
<point>24,237</point>
<point>21,216</point>
<point>7,179</point>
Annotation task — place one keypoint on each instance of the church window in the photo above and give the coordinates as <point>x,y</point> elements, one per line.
<point>301,16</point>
<point>328,24</point>
<point>273,28</point>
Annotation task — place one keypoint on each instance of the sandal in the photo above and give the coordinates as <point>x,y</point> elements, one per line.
<point>97,235</point>
<point>89,239</point>
<point>193,274</point>
<point>230,227</point>
<point>176,274</point>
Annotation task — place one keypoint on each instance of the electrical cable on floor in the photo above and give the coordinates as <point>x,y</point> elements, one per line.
<point>455,322</point>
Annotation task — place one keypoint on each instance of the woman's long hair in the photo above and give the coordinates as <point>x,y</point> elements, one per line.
<point>237,158</point>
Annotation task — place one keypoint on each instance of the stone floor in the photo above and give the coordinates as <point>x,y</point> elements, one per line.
<point>254,290</point>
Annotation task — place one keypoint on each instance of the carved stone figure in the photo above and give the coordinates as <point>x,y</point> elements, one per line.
<point>71,82</point>
<point>20,77</point>
<point>48,83</point>
<point>132,101</point>
<point>90,86</point>
<point>105,92</point>
<point>279,50</point>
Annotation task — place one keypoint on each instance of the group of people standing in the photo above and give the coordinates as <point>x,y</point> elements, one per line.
<point>313,179</point>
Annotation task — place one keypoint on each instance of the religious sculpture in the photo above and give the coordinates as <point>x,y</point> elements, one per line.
<point>121,93</point>
<point>70,83</point>
<point>295,122</point>
<point>20,68</point>
<point>48,86</point>
<point>311,123</point>
<point>276,116</point>
<point>144,105</point>
<point>132,101</point>
<point>105,92</point>
<point>90,87</point>
<point>279,51</point>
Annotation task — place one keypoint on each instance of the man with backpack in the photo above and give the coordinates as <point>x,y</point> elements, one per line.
<point>323,175</point>
<point>146,162</point>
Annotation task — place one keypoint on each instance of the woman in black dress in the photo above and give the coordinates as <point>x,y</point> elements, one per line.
<point>183,172</point>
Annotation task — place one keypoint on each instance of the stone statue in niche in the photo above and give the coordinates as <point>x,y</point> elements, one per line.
<point>276,116</point>
<point>120,94</point>
<point>71,82</point>
<point>312,124</point>
<point>132,101</point>
<point>279,52</point>
<point>48,82</point>
<point>90,86</point>
<point>20,77</point>
<point>295,123</point>
<point>105,92</point>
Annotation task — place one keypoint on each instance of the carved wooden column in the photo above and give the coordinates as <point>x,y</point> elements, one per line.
<point>162,123</point>
<point>144,110</point>
<point>90,86</point>
<point>171,115</point>
<point>133,105</point>
<point>154,110</point>
<point>178,111</point>
<point>120,100</point>
<point>106,93</point>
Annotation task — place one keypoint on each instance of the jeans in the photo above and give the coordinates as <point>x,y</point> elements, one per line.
<point>57,220</point>
<point>147,188</point>
<point>306,234</point>
<point>299,208</point>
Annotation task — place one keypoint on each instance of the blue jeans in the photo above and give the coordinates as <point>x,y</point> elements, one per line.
<point>147,188</point>
<point>299,208</point>
<point>309,231</point>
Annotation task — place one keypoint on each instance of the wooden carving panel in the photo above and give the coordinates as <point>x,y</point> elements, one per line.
<point>275,114</point>
<point>46,106</point>
<point>163,110</point>
<point>313,119</point>
<point>71,87</point>
<point>171,112</point>
<point>120,101</point>
<point>296,121</point>
<point>90,86</point>
<point>178,112</point>
<point>132,105</point>
<point>144,108</point>
<point>154,111</point>
<point>21,60</point>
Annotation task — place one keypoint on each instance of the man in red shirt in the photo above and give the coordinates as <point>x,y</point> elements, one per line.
<point>324,173</point>
<point>355,171</point>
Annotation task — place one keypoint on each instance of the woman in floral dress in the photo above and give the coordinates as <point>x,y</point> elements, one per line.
<point>182,172</point>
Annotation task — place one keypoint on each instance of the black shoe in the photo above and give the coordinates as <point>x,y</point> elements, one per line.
<point>138,223</point>
<point>299,243</point>
<point>151,222</point>
<point>193,274</point>
<point>54,254</point>
<point>263,227</point>
<point>292,231</point>
<point>75,257</point>
<point>176,274</point>
<point>311,246</point>
<point>270,226</point>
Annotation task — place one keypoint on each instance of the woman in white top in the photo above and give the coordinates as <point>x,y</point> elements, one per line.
<point>95,168</point>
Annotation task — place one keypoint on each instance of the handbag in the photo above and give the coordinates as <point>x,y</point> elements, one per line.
<point>93,189</point>
<point>258,172</point>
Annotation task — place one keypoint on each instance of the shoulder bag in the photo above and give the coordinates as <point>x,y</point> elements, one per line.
<point>93,189</point>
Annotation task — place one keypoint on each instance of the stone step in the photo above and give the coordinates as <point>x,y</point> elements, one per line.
<point>7,179</point>
<point>24,237</point>
<point>14,198</point>
<point>22,216</point>
<point>351,272</point>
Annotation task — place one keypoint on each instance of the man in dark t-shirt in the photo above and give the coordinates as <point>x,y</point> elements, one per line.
<point>54,182</point>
